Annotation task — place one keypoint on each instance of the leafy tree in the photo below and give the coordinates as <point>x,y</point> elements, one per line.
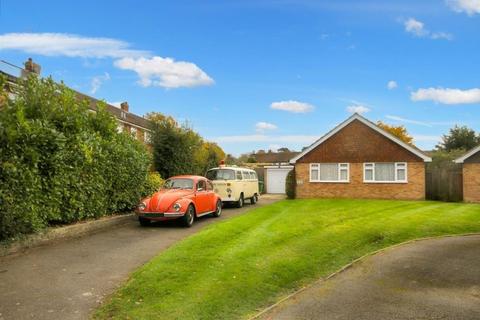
<point>177,149</point>
<point>398,131</point>
<point>459,138</point>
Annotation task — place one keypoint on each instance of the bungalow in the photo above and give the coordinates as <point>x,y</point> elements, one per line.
<point>358,159</point>
<point>471,175</point>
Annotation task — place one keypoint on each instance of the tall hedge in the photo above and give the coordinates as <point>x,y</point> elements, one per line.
<point>290,184</point>
<point>61,163</point>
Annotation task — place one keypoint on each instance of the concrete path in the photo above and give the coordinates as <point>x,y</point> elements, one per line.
<point>432,279</point>
<point>67,280</point>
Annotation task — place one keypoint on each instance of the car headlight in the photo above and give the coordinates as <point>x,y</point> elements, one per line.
<point>177,206</point>
<point>142,206</point>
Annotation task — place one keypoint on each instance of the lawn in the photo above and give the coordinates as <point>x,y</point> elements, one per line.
<point>234,268</point>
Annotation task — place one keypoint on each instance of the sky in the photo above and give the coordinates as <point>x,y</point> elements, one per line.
<point>262,74</point>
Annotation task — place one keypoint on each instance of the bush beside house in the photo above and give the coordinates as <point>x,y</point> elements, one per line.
<point>60,163</point>
<point>290,184</point>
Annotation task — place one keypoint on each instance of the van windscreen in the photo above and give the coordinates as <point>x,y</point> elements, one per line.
<point>221,174</point>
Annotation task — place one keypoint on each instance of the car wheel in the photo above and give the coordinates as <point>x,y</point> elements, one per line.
<point>254,199</point>
<point>144,222</point>
<point>189,217</point>
<point>218,209</point>
<point>240,201</point>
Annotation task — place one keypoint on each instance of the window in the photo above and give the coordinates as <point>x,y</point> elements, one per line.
<point>209,186</point>
<point>385,172</point>
<point>147,137</point>
<point>239,175</point>
<point>221,174</point>
<point>246,175</point>
<point>120,128</point>
<point>133,132</point>
<point>201,186</point>
<point>329,172</point>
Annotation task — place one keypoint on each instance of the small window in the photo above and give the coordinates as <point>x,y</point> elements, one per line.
<point>120,128</point>
<point>254,175</point>
<point>147,137</point>
<point>133,132</point>
<point>239,175</point>
<point>385,172</point>
<point>329,172</point>
<point>246,175</point>
<point>201,185</point>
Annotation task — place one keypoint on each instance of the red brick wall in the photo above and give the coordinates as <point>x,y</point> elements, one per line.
<point>356,188</point>
<point>471,182</point>
<point>358,143</point>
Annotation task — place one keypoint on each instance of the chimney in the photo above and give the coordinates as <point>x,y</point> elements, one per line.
<point>124,106</point>
<point>32,67</point>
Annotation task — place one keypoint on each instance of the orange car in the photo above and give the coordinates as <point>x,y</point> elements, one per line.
<point>182,197</point>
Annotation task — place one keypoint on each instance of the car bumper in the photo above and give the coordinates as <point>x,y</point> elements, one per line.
<point>160,215</point>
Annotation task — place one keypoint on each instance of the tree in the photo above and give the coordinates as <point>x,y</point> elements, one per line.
<point>177,149</point>
<point>459,138</point>
<point>398,131</point>
<point>284,149</point>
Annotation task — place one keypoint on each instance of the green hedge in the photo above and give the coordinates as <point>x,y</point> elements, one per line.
<point>61,163</point>
<point>290,184</point>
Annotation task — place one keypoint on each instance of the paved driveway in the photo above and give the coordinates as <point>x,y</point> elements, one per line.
<point>432,279</point>
<point>67,280</point>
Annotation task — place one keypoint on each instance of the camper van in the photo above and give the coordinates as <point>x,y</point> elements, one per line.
<point>234,184</point>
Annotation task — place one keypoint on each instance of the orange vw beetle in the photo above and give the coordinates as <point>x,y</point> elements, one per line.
<point>182,197</point>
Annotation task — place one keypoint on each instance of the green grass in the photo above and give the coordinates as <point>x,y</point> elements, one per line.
<point>232,269</point>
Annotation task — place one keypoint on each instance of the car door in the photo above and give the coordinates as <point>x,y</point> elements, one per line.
<point>211,196</point>
<point>201,197</point>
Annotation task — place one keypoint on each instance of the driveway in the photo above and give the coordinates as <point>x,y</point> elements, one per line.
<point>431,279</point>
<point>67,280</point>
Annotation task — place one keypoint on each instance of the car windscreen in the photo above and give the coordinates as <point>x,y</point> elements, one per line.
<point>178,183</point>
<point>221,174</point>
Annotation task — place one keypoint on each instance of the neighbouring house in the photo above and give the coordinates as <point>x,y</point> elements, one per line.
<point>357,159</point>
<point>274,168</point>
<point>471,174</point>
<point>136,125</point>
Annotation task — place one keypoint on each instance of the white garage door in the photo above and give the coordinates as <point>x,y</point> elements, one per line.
<point>275,178</point>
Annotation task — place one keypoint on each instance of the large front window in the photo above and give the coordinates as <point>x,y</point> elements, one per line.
<point>329,172</point>
<point>221,174</point>
<point>385,172</point>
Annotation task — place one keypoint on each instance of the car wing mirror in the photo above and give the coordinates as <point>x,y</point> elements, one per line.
<point>200,189</point>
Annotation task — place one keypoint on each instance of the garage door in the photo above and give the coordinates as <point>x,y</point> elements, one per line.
<point>275,178</point>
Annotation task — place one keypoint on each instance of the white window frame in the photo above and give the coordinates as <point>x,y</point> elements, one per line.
<point>397,167</point>
<point>340,168</point>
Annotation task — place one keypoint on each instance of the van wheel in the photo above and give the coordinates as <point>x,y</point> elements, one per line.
<point>240,201</point>
<point>188,217</point>
<point>218,209</point>
<point>254,199</point>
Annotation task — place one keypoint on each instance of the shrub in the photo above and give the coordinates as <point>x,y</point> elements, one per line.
<point>290,184</point>
<point>153,183</point>
<point>61,163</point>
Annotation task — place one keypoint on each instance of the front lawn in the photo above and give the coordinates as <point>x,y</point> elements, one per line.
<point>234,268</point>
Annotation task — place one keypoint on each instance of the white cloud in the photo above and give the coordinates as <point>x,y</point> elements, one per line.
<point>304,139</point>
<point>357,108</point>
<point>392,85</point>
<point>447,95</point>
<point>292,106</point>
<point>165,72</point>
<point>262,126</point>
<point>417,28</point>
<point>97,82</point>
<point>425,138</point>
<point>470,7</point>
<point>70,45</point>
<point>420,123</point>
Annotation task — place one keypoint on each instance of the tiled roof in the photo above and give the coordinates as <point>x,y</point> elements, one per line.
<point>275,157</point>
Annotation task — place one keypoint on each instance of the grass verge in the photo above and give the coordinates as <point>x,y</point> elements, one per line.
<point>232,269</point>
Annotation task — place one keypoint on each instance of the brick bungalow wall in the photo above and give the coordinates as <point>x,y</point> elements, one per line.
<point>471,179</point>
<point>356,144</point>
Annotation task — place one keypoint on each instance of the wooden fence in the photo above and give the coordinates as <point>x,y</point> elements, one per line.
<point>444,183</point>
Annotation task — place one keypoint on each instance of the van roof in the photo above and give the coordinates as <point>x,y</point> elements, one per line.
<point>231,168</point>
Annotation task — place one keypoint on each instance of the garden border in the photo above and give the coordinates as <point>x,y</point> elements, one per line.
<point>51,235</point>
<point>351,264</point>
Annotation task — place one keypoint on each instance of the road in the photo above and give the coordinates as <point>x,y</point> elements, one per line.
<point>431,279</point>
<point>67,280</point>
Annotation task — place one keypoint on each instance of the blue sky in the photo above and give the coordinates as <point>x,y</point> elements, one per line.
<point>253,74</point>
